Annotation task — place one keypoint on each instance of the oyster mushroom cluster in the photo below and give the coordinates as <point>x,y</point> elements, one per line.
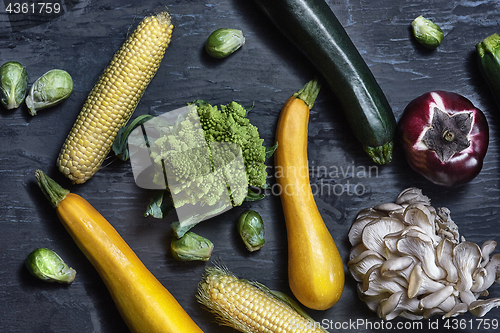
<point>410,261</point>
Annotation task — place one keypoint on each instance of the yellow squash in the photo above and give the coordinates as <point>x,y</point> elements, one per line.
<point>315,268</point>
<point>144,303</point>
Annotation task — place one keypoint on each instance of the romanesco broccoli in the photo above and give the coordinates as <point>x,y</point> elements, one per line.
<point>210,154</point>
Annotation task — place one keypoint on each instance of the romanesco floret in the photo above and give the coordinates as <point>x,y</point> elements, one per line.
<point>230,124</point>
<point>210,155</point>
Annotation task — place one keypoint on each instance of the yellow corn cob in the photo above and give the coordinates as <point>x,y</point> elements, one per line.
<point>250,307</point>
<point>114,98</point>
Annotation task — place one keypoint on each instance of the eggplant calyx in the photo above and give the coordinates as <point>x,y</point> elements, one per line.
<point>448,134</point>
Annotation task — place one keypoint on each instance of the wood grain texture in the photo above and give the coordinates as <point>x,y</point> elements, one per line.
<point>266,70</point>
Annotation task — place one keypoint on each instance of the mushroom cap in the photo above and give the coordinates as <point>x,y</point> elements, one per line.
<point>390,246</point>
<point>415,280</point>
<point>420,216</point>
<point>374,232</point>
<point>374,283</point>
<point>412,195</point>
<point>445,225</point>
<point>490,272</point>
<point>444,258</point>
<point>411,315</point>
<point>486,249</point>
<point>387,308</point>
<point>398,304</point>
<point>481,307</point>
<point>372,301</point>
<point>458,309</point>
<point>360,265</point>
<point>398,266</point>
<point>418,232</point>
<point>415,244</point>
<point>466,257</point>
<point>357,229</point>
<point>478,280</point>
<point>357,250</point>
<point>388,207</point>
<point>434,299</point>
<point>369,212</point>
<point>420,284</point>
<point>443,308</point>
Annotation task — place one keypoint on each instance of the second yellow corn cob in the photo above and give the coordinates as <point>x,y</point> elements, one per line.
<point>250,307</point>
<point>114,98</point>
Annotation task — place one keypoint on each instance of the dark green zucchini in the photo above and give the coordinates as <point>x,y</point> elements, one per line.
<point>313,28</point>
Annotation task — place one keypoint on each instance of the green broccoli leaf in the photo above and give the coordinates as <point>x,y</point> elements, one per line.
<point>252,196</point>
<point>270,150</point>
<point>120,143</point>
<point>160,205</point>
<point>249,108</point>
<point>200,102</point>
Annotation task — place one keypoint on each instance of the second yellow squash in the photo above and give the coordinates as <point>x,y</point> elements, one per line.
<point>315,268</point>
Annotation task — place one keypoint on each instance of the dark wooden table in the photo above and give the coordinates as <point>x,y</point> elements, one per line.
<point>267,70</point>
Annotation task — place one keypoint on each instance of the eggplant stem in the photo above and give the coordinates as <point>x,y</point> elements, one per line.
<point>448,135</point>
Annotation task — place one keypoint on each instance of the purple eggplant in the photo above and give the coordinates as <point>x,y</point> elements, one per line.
<point>445,137</point>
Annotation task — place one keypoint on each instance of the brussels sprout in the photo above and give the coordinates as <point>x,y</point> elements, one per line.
<point>14,84</point>
<point>427,32</point>
<point>49,89</point>
<point>191,247</point>
<point>46,265</point>
<point>251,230</point>
<point>223,42</point>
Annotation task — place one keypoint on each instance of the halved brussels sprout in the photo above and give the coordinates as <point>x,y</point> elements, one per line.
<point>13,84</point>
<point>46,265</point>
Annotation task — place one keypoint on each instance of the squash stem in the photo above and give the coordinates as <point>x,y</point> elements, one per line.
<point>490,44</point>
<point>52,190</point>
<point>381,154</point>
<point>309,92</point>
